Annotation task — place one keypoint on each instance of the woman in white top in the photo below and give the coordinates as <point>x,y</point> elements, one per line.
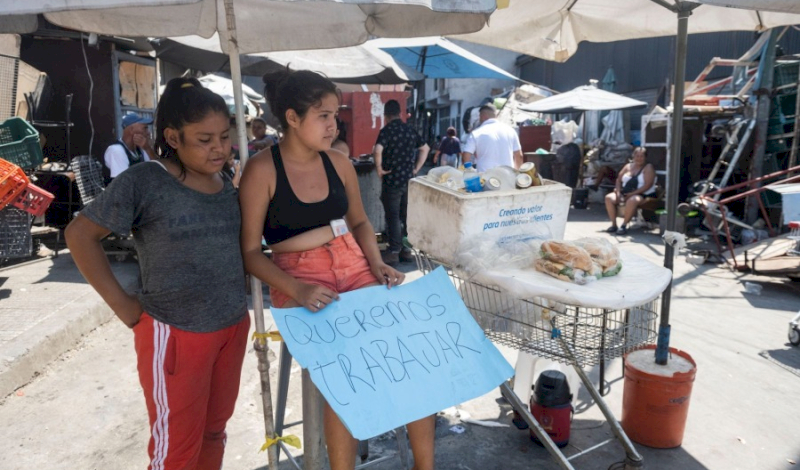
<point>631,194</point>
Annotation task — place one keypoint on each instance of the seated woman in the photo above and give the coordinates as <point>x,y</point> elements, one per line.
<point>635,182</point>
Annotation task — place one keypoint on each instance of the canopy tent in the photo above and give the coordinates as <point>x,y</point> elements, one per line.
<point>553,30</point>
<point>583,98</point>
<point>264,25</point>
<point>436,57</point>
<point>261,26</point>
<point>354,64</point>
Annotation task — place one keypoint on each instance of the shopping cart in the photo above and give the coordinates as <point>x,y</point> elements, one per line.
<point>575,335</point>
<point>89,177</point>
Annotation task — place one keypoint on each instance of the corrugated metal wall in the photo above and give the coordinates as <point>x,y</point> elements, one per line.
<point>644,64</point>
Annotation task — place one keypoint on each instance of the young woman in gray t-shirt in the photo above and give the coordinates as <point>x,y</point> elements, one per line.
<point>190,320</point>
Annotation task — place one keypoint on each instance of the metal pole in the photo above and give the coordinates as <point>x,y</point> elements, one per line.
<point>260,345</point>
<point>673,174</point>
<point>313,439</point>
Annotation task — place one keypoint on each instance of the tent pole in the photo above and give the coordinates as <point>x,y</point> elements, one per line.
<point>261,347</point>
<point>673,175</point>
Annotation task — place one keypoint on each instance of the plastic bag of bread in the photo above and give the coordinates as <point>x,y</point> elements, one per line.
<point>603,253</point>
<point>566,261</point>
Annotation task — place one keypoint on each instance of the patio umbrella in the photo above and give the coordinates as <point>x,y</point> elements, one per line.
<point>436,57</point>
<point>262,25</point>
<point>552,31</point>
<point>354,64</point>
<point>224,88</point>
<point>583,98</point>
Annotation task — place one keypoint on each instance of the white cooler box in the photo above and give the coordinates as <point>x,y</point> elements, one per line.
<point>440,219</point>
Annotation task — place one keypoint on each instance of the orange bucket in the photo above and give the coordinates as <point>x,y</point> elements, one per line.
<point>655,399</point>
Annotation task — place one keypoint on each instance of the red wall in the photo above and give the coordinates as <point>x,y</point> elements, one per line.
<point>356,113</point>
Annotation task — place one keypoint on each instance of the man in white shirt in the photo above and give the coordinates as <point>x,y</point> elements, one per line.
<point>493,143</point>
<point>134,146</point>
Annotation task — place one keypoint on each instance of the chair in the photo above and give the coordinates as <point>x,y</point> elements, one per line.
<point>89,176</point>
<point>648,204</point>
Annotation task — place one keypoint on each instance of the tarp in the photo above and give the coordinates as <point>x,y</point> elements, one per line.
<point>583,98</point>
<point>436,57</point>
<point>552,30</point>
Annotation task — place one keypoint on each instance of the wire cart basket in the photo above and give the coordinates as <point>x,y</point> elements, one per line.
<point>574,335</point>
<point>15,234</point>
<point>89,176</point>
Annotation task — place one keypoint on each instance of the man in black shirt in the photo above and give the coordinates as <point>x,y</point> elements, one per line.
<point>399,154</point>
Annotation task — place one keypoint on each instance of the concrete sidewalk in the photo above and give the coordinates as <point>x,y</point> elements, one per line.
<point>45,308</point>
<point>743,412</point>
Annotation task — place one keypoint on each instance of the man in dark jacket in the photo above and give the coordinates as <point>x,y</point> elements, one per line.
<point>399,154</point>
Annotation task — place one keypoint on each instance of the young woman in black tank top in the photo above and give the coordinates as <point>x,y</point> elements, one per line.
<point>289,196</point>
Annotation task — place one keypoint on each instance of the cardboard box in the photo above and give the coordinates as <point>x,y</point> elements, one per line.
<point>441,219</point>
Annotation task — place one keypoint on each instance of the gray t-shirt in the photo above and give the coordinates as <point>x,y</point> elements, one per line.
<point>187,243</point>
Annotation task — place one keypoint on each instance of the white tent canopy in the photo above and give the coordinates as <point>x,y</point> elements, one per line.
<point>552,30</point>
<point>264,26</point>
<point>583,98</point>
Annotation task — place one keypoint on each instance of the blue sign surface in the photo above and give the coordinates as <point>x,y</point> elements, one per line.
<point>385,357</point>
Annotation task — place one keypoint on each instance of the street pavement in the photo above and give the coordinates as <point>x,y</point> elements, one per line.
<point>73,398</point>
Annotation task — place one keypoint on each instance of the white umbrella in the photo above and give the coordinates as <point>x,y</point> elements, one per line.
<point>552,30</point>
<point>354,64</point>
<point>263,25</point>
<point>583,98</point>
<point>224,88</point>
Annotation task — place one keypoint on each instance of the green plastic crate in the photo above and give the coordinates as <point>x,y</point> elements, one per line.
<point>19,143</point>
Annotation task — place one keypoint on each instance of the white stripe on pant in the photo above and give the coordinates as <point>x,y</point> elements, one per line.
<point>161,424</point>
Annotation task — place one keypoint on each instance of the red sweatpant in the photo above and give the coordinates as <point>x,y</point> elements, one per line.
<point>190,382</point>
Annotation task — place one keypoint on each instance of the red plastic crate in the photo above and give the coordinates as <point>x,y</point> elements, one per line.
<point>12,182</point>
<point>33,200</point>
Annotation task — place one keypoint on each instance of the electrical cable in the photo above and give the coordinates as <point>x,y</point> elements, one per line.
<point>91,92</point>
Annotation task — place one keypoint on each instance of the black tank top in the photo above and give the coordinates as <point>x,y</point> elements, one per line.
<point>288,216</point>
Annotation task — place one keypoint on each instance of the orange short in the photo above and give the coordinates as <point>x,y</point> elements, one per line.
<point>339,265</point>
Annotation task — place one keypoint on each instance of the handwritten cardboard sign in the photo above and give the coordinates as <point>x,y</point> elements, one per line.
<point>385,357</point>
